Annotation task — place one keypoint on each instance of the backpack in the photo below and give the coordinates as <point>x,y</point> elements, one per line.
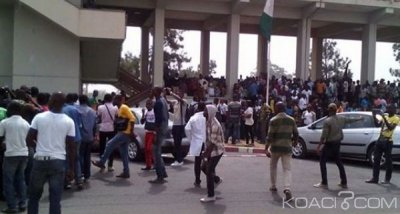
<point>190,111</point>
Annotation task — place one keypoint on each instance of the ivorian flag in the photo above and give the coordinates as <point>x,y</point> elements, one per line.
<point>266,19</point>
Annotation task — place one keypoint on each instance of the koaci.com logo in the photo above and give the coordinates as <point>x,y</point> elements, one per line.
<point>346,200</point>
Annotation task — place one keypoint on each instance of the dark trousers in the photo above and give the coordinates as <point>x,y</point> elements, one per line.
<point>197,166</point>
<point>104,137</point>
<point>249,133</point>
<point>332,149</point>
<point>85,161</point>
<point>177,133</point>
<point>383,146</point>
<point>209,170</point>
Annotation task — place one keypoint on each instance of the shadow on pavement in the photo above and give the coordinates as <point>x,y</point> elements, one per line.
<point>214,207</point>
<point>156,189</point>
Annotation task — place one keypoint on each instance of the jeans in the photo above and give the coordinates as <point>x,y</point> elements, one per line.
<point>14,181</point>
<point>29,164</point>
<point>51,171</point>
<point>232,129</point>
<point>383,146</point>
<point>148,148</point>
<point>158,161</point>
<point>197,166</point>
<point>177,132</point>
<point>122,141</point>
<point>77,165</point>
<point>249,133</point>
<point>104,137</point>
<point>211,177</point>
<point>85,161</point>
<point>332,149</point>
<point>286,165</point>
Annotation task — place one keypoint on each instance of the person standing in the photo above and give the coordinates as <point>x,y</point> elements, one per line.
<point>161,128</point>
<point>214,150</point>
<point>149,120</point>
<point>93,100</point>
<point>88,133</point>
<point>121,139</point>
<point>233,120</point>
<point>53,143</point>
<point>196,132</point>
<point>281,135</point>
<point>331,137</point>
<point>249,122</point>
<point>178,127</point>
<point>308,115</point>
<point>106,113</point>
<point>13,131</point>
<point>384,144</point>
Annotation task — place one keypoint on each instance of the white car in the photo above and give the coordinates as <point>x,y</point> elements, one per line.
<point>136,147</point>
<point>358,142</point>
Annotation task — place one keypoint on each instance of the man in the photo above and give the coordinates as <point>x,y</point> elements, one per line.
<point>72,111</point>
<point>196,132</point>
<point>88,129</point>
<point>53,143</point>
<point>93,100</point>
<point>281,135</point>
<point>214,151</point>
<point>121,139</point>
<point>161,128</point>
<point>106,114</point>
<point>331,137</point>
<point>178,127</point>
<point>384,144</point>
<point>233,120</point>
<point>13,131</point>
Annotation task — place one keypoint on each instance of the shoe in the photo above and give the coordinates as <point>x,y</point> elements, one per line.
<point>385,182</point>
<point>98,164</point>
<point>157,181</point>
<point>273,189</point>
<point>86,180</point>
<point>79,186</point>
<point>9,210</point>
<point>321,185</point>
<point>288,195</point>
<point>123,175</point>
<point>197,184</point>
<point>176,163</point>
<point>371,181</point>
<point>110,169</point>
<point>208,199</point>
<point>344,186</point>
<point>67,186</point>
<point>219,182</point>
<point>146,168</point>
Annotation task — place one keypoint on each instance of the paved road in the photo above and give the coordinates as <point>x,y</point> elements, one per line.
<point>244,190</point>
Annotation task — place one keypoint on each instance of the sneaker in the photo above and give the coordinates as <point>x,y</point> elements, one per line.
<point>123,175</point>
<point>110,169</point>
<point>147,168</point>
<point>321,185</point>
<point>197,184</point>
<point>176,163</point>
<point>208,199</point>
<point>67,186</point>
<point>98,164</point>
<point>219,182</point>
<point>9,210</point>
<point>79,186</point>
<point>385,182</point>
<point>371,181</point>
<point>288,195</point>
<point>343,186</point>
<point>273,189</point>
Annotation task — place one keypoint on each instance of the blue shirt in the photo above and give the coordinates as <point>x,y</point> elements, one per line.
<point>253,88</point>
<point>161,113</point>
<point>88,116</point>
<point>72,112</point>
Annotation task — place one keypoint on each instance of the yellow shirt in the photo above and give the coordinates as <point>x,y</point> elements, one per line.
<point>125,112</point>
<point>391,120</point>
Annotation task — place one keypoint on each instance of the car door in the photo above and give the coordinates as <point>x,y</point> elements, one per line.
<point>312,135</point>
<point>357,134</point>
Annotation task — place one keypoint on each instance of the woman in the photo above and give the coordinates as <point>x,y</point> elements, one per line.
<point>214,151</point>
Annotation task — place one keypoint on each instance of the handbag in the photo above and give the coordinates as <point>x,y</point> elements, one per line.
<point>121,124</point>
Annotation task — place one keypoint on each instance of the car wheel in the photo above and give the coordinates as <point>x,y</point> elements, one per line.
<point>134,152</point>
<point>371,157</point>
<point>300,150</point>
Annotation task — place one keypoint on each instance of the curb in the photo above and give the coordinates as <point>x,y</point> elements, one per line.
<point>247,150</point>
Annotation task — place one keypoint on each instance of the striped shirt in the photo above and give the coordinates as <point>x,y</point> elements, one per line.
<point>282,129</point>
<point>215,136</point>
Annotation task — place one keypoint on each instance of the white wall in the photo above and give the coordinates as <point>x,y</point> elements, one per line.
<point>6,44</point>
<point>45,55</point>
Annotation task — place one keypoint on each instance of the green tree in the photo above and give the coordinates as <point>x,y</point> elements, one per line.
<point>174,56</point>
<point>333,64</point>
<point>130,63</point>
<point>396,52</point>
<point>278,71</point>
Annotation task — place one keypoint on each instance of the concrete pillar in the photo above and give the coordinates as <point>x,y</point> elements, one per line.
<point>232,55</point>
<point>262,55</point>
<point>6,44</point>
<point>368,53</point>
<point>303,49</point>
<point>205,52</point>
<point>144,61</point>
<point>316,66</point>
<point>158,55</point>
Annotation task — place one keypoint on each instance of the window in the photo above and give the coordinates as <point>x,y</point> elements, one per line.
<point>365,122</point>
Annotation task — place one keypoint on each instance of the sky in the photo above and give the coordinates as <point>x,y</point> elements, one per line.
<point>283,52</point>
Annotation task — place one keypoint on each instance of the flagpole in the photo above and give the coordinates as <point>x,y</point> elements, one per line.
<point>268,71</point>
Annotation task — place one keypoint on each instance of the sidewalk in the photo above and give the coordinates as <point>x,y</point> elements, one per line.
<point>243,148</point>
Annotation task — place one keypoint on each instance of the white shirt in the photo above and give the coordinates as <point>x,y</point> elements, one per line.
<point>52,130</point>
<point>177,118</point>
<point>308,117</point>
<point>249,121</point>
<point>308,93</point>
<point>15,129</point>
<point>223,108</point>
<point>302,103</point>
<point>107,122</point>
<point>195,131</point>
